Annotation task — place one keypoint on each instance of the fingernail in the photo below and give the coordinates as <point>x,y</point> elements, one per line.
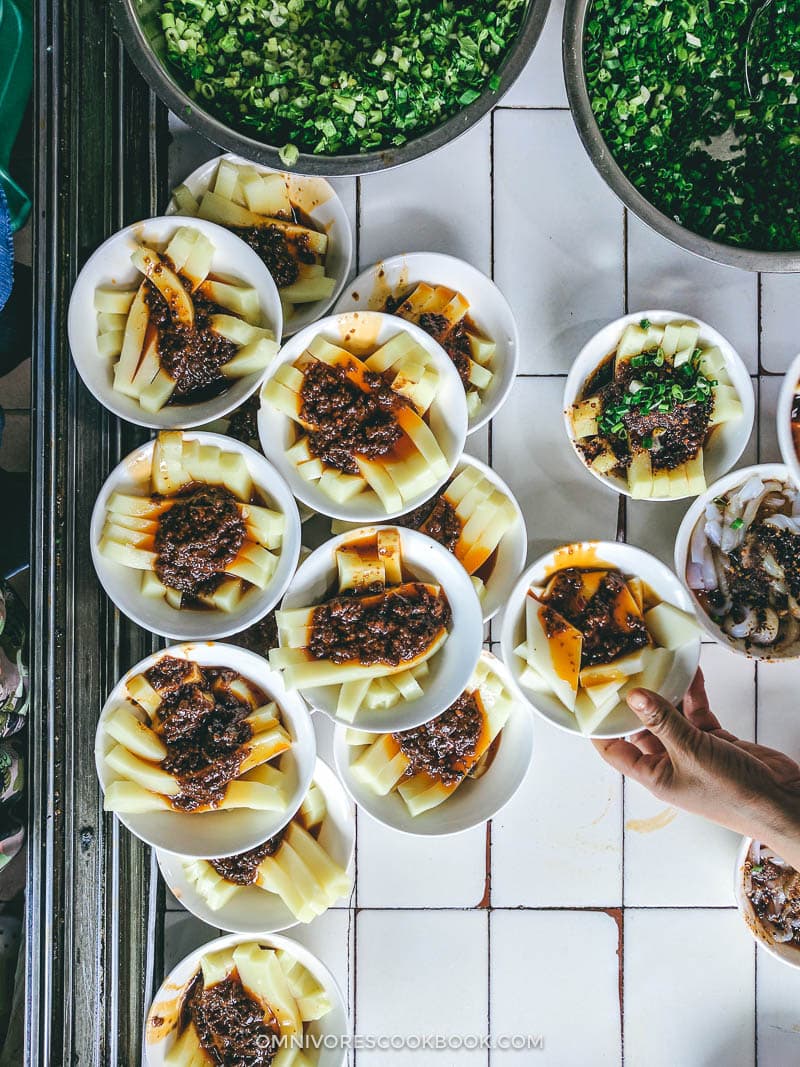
<point>638,699</point>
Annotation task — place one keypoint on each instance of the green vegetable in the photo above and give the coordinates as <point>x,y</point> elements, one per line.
<point>658,386</point>
<point>333,76</point>
<point>757,868</point>
<point>737,524</point>
<point>289,155</point>
<point>666,82</point>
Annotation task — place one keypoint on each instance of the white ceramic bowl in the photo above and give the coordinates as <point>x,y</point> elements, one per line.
<point>318,200</point>
<point>252,910</point>
<point>363,332</point>
<point>162,1018</point>
<point>683,540</point>
<point>450,667</point>
<point>511,551</point>
<point>489,309</point>
<point>474,802</point>
<point>123,583</point>
<point>788,954</point>
<point>111,265</point>
<point>789,390</point>
<point>631,561</point>
<point>726,443</point>
<point>218,833</point>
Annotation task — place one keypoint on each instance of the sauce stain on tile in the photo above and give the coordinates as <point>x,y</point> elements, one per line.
<point>657,822</point>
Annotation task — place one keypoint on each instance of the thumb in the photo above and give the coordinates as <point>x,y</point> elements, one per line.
<point>661,718</point>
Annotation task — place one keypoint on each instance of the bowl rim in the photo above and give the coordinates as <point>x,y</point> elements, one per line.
<point>470,638</point>
<point>188,110</point>
<point>601,156</point>
<point>307,492</point>
<point>748,915</point>
<point>576,379</point>
<point>276,489</point>
<point>187,416</point>
<point>683,538</point>
<point>168,862</point>
<point>167,990</point>
<point>516,601</point>
<point>426,828</point>
<point>258,670</point>
<point>201,175</point>
<point>443,259</point>
<point>790,387</point>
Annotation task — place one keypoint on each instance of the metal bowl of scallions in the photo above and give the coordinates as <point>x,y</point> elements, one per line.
<point>330,86</point>
<point>660,98</point>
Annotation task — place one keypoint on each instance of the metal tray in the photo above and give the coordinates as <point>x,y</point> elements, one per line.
<point>93,910</point>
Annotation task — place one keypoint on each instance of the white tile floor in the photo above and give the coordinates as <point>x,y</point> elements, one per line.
<point>588,913</point>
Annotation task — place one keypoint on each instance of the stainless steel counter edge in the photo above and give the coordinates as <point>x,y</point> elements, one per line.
<point>93,916</point>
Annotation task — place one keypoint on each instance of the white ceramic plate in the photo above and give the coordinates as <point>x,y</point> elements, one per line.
<point>362,332</point>
<point>726,443</point>
<point>318,200</point>
<point>219,833</point>
<point>164,1011</point>
<point>111,265</point>
<point>253,910</point>
<point>631,561</point>
<point>123,584</point>
<point>489,310</point>
<point>788,954</point>
<point>683,540</point>
<point>789,389</point>
<point>474,802</point>
<point>450,667</point>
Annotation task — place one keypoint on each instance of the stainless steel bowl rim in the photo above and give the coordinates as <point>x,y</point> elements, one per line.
<point>600,154</point>
<point>189,110</point>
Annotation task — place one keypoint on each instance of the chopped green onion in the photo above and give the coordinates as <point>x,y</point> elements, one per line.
<point>667,89</point>
<point>336,76</point>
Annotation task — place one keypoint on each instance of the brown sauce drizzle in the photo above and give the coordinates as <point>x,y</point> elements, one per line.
<point>231,1025</point>
<point>242,868</point>
<point>191,355</point>
<point>202,723</point>
<point>679,433</point>
<point>347,420</point>
<point>197,537</point>
<point>606,635</point>
<point>378,629</point>
<point>440,748</point>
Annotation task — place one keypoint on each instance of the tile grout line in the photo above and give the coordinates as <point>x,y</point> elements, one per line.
<point>352,939</point>
<point>623,530</point>
<point>757,384</point>
<point>755,1005</point>
<point>759,308</point>
<point>532,107</point>
<point>605,908</point>
<point>353,946</point>
<point>490,451</point>
<point>358,225</point>
<point>490,432</point>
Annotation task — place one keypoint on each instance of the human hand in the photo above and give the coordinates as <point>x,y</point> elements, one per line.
<point>688,760</point>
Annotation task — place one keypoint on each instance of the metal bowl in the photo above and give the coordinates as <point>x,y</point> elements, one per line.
<point>599,153</point>
<point>138,25</point>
